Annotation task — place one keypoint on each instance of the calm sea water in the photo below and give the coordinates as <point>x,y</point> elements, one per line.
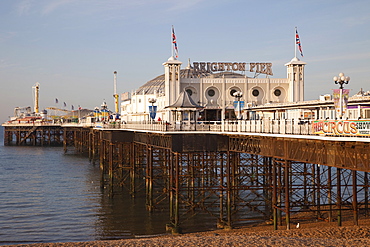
<point>48,196</point>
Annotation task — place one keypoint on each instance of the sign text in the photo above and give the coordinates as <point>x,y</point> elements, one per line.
<point>262,68</point>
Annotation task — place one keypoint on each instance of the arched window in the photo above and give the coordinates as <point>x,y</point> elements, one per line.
<point>211,93</point>
<point>189,91</point>
<point>277,92</point>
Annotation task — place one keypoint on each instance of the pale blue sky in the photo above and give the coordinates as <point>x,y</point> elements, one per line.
<point>72,47</point>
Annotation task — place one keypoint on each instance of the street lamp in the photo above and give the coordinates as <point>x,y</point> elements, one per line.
<point>237,96</point>
<point>152,109</point>
<point>152,100</point>
<point>341,79</point>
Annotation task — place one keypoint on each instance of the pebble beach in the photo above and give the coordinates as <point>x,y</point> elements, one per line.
<point>308,234</point>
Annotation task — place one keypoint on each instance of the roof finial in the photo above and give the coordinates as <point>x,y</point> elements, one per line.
<point>189,65</point>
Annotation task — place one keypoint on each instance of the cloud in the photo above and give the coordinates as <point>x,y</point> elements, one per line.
<point>53,5</point>
<point>353,21</point>
<point>183,5</point>
<point>44,7</point>
<point>7,35</point>
<point>24,7</point>
<point>343,57</point>
<point>119,5</point>
<point>106,10</point>
<point>5,64</point>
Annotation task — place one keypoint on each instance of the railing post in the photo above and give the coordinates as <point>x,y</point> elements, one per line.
<point>262,130</point>
<point>285,124</point>
<point>255,125</point>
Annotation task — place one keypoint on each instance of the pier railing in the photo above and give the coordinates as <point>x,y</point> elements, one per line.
<point>343,128</point>
<point>271,126</point>
<point>30,123</point>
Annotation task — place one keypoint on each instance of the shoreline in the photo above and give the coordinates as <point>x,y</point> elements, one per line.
<point>309,234</point>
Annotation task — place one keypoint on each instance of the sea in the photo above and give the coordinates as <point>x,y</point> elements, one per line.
<point>48,196</point>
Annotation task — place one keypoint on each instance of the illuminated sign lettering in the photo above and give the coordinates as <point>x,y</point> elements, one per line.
<point>341,127</point>
<point>262,68</point>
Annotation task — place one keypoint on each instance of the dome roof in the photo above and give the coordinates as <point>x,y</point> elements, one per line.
<point>295,61</point>
<point>157,84</point>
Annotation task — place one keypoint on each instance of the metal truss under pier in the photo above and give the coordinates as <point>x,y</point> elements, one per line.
<point>33,135</point>
<point>236,179</point>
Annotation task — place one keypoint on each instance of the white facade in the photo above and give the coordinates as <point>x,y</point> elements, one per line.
<point>212,90</point>
<point>295,74</point>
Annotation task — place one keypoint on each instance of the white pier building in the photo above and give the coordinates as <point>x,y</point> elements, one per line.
<point>212,91</point>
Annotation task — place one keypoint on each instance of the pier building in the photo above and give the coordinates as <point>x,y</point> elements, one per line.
<point>216,89</point>
<point>357,107</point>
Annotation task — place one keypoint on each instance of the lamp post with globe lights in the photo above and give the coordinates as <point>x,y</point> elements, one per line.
<point>237,96</point>
<point>152,109</point>
<point>341,80</point>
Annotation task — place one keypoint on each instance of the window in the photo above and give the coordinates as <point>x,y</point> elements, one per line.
<point>232,91</point>
<point>211,92</point>
<point>255,92</point>
<point>189,92</point>
<point>277,92</point>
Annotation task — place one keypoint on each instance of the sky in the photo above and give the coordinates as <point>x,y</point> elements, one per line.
<point>72,47</point>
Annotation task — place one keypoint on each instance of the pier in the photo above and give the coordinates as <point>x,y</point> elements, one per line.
<point>33,134</point>
<point>239,172</point>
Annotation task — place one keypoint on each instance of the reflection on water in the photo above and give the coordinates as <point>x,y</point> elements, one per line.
<point>123,215</point>
<point>46,196</point>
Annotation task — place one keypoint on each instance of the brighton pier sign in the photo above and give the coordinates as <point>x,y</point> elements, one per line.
<point>262,68</point>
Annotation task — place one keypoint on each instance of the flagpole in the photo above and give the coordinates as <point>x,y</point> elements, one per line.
<point>295,42</point>
<point>172,41</point>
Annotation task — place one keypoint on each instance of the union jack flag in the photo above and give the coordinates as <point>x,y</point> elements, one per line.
<point>298,42</point>
<point>174,42</point>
